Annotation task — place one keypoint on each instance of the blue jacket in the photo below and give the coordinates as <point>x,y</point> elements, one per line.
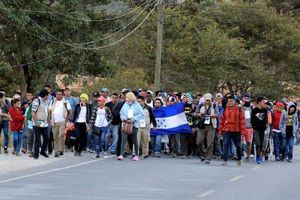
<point>284,119</point>
<point>138,113</point>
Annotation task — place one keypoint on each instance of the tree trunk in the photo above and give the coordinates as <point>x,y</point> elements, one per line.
<point>27,78</point>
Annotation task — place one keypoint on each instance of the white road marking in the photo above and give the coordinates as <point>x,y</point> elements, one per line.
<point>208,192</point>
<point>256,167</point>
<point>235,178</point>
<point>53,170</point>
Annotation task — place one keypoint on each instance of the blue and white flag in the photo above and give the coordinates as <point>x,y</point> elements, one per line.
<point>171,120</point>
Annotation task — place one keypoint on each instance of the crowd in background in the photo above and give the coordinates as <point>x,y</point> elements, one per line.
<point>223,126</point>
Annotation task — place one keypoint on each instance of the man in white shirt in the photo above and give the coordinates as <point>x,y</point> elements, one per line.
<point>60,111</point>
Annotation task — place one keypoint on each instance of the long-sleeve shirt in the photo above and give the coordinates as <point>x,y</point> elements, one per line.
<point>233,120</point>
<point>138,113</point>
<point>17,119</point>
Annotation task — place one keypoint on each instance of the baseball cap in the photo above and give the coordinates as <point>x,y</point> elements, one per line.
<point>103,99</point>
<point>96,94</point>
<point>104,90</point>
<point>208,96</point>
<point>124,90</point>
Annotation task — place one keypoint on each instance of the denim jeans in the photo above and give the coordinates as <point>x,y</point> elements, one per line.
<point>157,147</point>
<point>236,137</point>
<point>30,140</point>
<point>99,138</point>
<point>114,130</point>
<point>279,144</point>
<point>17,140</point>
<point>152,144</point>
<point>38,132</point>
<point>91,140</point>
<point>24,138</point>
<point>4,125</point>
<point>217,144</point>
<point>104,138</point>
<point>289,147</point>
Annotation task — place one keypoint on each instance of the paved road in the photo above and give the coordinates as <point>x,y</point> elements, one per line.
<point>155,178</point>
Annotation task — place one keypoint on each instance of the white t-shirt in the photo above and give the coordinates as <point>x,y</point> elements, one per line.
<point>101,118</point>
<point>82,115</point>
<point>150,104</point>
<point>58,112</point>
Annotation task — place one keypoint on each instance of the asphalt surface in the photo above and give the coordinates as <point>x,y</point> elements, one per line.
<point>83,178</point>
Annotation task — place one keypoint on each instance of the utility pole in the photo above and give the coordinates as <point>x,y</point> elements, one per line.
<point>160,18</point>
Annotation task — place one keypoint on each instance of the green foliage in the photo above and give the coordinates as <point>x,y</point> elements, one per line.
<point>132,78</point>
<point>208,46</point>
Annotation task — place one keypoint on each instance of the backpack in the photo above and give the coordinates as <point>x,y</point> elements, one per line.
<point>29,112</point>
<point>64,102</point>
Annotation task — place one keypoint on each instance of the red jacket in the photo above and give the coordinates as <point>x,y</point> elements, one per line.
<point>276,118</point>
<point>233,120</point>
<point>17,119</point>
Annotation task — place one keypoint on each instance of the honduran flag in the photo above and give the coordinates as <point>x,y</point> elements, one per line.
<point>171,120</point>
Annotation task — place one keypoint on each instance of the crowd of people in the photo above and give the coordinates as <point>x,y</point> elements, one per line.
<point>223,126</point>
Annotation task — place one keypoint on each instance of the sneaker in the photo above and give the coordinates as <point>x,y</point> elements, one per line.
<point>207,161</point>
<point>289,160</point>
<point>224,163</point>
<point>61,153</point>
<point>56,156</point>
<point>239,163</point>
<point>30,155</point>
<point>90,151</point>
<point>277,159</point>
<point>258,161</point>
<point>44,154</point>
<point>24,151</point>
<point>105,154</point>
<point>147,156</point>
<point>157,154</point>
<point>202,158</point>
<point>13,152</point>
<point>183,157</point>
<point>5,150</point>
<point>132,157</point>
<point>266,157</point>
<point>18,154</point>
<point>261,159</point>
<point>96,156</point>
<point>120,157</point>
<point>135,158</point>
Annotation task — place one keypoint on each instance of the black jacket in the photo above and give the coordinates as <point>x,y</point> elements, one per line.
<point>152,117</point>
<point>115,109</point>
<point>77,111</point>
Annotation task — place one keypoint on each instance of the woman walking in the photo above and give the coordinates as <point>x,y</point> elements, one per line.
<point>81,117</point>
<point>16,125</point>
<point>131,114</point>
